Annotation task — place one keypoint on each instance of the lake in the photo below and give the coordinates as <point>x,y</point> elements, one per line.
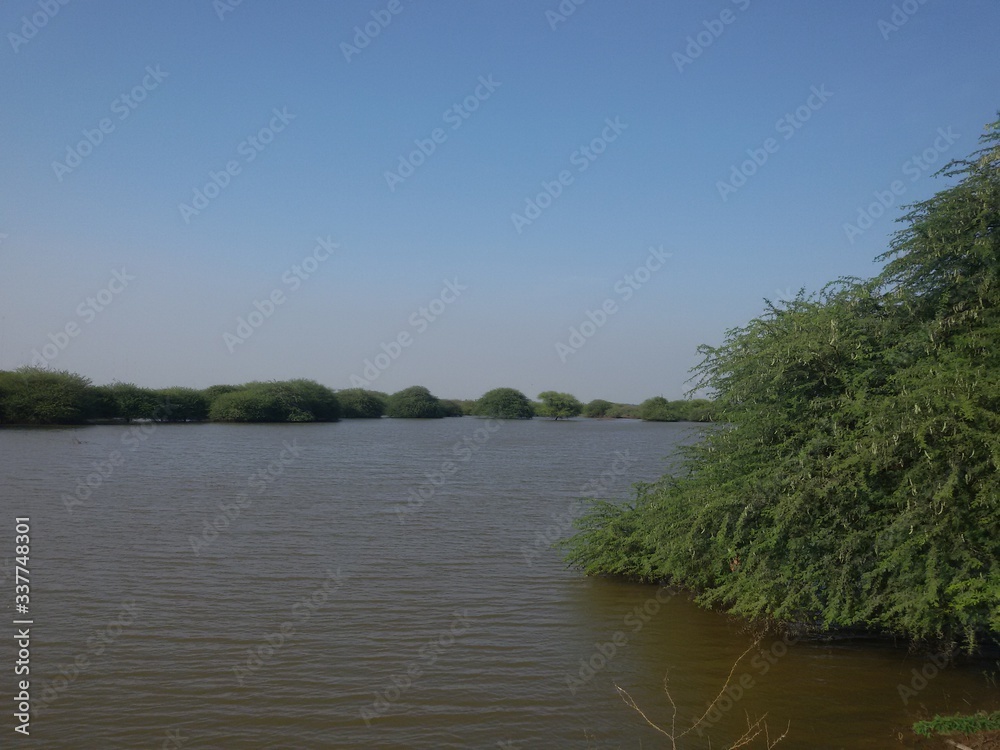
<point>390,584</point>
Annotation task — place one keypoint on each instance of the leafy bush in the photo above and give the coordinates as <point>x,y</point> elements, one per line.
<point>451,408</point>
<point>33,395</point>
<point>277,401</point>
<point>504,403</point>
<point>357,403</point>
<point>132,402</point>
<point>625,411</point>
<point>857,482</point>
<point>249,405</point>
<point>599,409</point>
<point>658,409</point>
<point>101,403</point>
<point>415,402</point>
<point>181,405</point>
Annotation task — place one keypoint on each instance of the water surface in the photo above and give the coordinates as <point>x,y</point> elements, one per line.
<point>228,606</point>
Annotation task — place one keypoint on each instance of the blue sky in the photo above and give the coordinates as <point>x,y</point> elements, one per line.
<point>182,93</point>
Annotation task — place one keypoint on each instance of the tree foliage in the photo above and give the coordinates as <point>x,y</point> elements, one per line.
<point>357,403</point>
<point>181,405</point>
<point>131,402</point>
<point>33,395</point>
<point>558,405</point>
<point>277,401</point>
<point>856,482</point>
<point>504,403</point>
<point>451,408</point>
<point>658,409</point>
<point>415,402</point>
<point>598,409</point>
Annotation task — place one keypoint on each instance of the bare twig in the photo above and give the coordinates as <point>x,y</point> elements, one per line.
<point>755,727</point>
<point>630,702</point>
<point>723,690</point>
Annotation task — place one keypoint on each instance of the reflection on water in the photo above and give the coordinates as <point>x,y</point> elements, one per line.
<point>390,584</point>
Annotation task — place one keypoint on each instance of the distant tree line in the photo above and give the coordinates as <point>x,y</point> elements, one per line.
<point>37,396</point>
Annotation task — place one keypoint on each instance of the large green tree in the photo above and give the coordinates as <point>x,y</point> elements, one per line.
<point>557,405</point>
<point>415,402</point>
<point>857,480</point>
<point>504,403</point>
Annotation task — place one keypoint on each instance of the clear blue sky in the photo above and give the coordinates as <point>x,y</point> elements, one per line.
<point>68,223</point>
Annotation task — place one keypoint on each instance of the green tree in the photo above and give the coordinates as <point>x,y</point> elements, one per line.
<point>214,391</point>
<point>625,411</point>
<point>468,406</point>
<point>558,405</point>
<point>101,403</point>
<point>658,409</point>
<point>277,401</point>
<point>248,405</point>
<point>857,480</point>
<point>697,410</point>
<point>357,403</point>
<point>504,403</point>
<point>34,395</point>
<point>132,402</point>
<point>181,405</point>
<point>451,408</point>
<point>415,402</point>
<point>599,409</point>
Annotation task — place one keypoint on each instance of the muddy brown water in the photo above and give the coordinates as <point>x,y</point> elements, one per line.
<point>389,584</point>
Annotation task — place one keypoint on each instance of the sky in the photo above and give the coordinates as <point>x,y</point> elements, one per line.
<point>542,195</point>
